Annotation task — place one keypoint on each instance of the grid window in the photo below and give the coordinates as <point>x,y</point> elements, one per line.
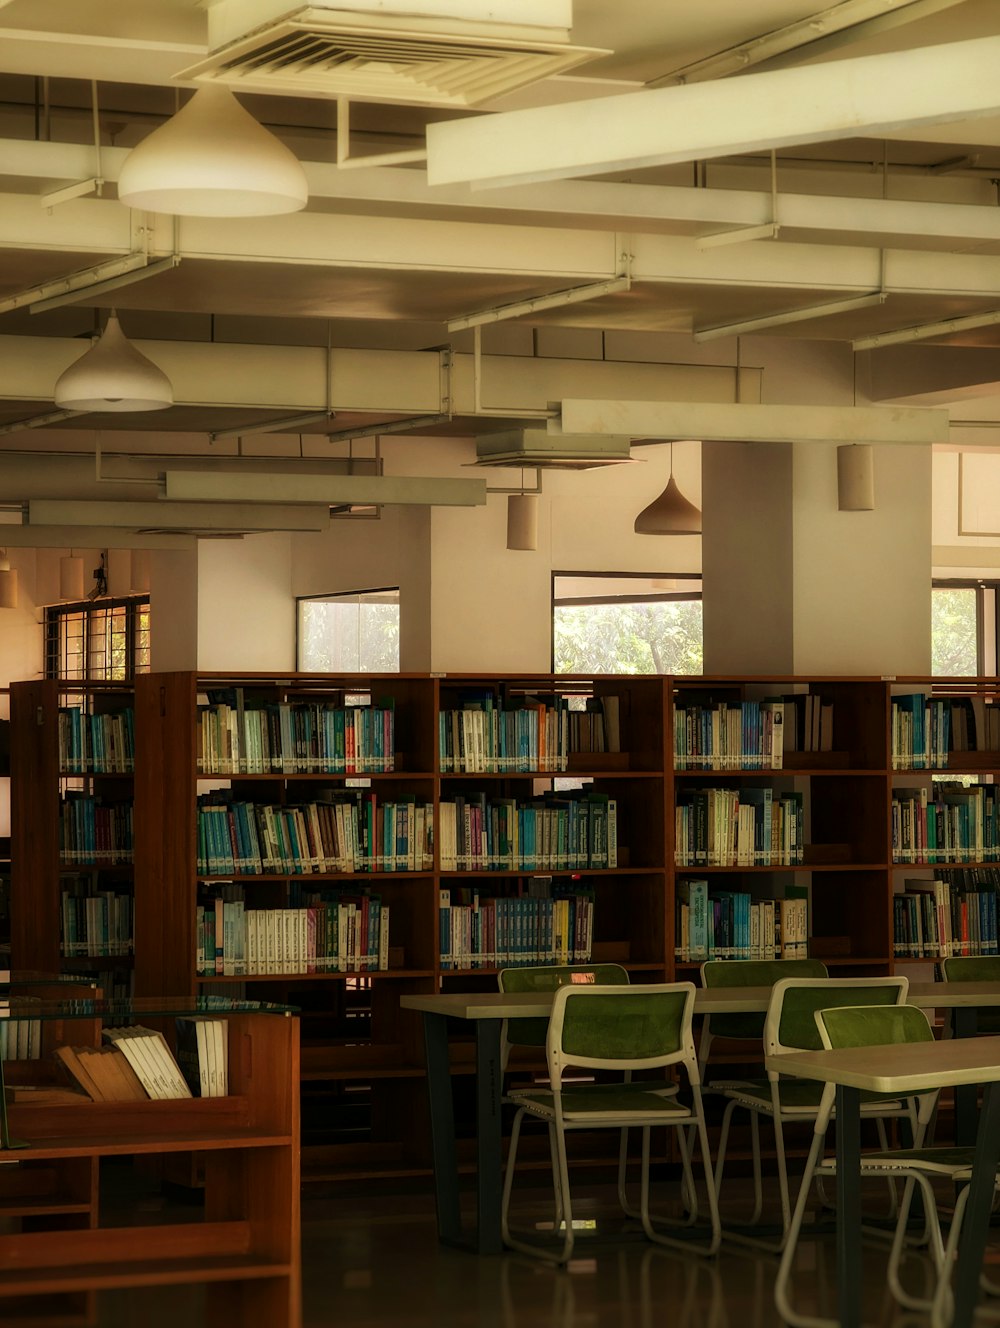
<point>104,642</point>
<point>964,623</point>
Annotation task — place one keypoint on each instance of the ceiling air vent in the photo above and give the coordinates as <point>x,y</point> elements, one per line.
<point>536,447</point>
<point>367,58</point>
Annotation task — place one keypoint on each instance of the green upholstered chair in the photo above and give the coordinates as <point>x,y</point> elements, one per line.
<point>533,1032</point>
<point>624,1030</point>
<point>976,968</point>
<point>789,1024</point>
<point>867,1026</point>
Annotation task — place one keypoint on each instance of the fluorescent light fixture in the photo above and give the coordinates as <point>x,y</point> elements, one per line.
<point>113,376</point>
<point>40,421</point>
<point>391,426</point>
<point>660,421</point>
<point>573,295</point>
<point>86,279</point>
<point>789,316</point>
<point>96,288</point>
<point>922,331</point>
<point>178,516</point>
<point>407,490</point>
<point>293,422</point>
<point>844,15</point>
<point>768,231</point>
<point>213,159</point>
<point>871,95</point>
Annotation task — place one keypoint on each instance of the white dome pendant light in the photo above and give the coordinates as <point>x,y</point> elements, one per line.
<point>113,376</point>
<point>213,159</point>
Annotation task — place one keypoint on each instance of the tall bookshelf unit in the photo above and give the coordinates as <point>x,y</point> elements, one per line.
<point>363,1097</point>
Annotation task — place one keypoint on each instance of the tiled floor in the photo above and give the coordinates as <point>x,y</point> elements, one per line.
<point>372,1260</point>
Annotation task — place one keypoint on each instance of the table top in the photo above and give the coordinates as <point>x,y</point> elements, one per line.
<point>712,1000</point>
<point>913,1067</point>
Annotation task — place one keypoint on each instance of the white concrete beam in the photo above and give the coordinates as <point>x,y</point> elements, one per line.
<point>178,516</point>
<point>874,94</point>
<point>753,423</point>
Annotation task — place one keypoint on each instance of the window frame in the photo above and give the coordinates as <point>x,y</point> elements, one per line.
<point>986,635</point>
<point>53,645</point>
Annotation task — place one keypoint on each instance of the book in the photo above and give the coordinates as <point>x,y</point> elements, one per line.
<point>202,1054</point>
<point>69,1058</point>
<point>147,1051</point>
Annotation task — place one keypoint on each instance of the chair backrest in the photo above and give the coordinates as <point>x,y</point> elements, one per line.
<point>621,1028</point>
<point>548,977</point>
<point>751,973</point>
<point>872,1026</point>
<point>971,968</point>
<point>790,1023</point>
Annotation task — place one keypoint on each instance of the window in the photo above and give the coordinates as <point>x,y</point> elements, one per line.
<point>106,641</point>
<point>626,623</point>
<point>964,628</point>
<point>352,633</point>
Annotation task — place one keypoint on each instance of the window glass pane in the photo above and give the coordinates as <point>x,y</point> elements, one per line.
<point>954,636</point>
<point>627,624</point>
<point>99,643</point>
<point>356,633</point>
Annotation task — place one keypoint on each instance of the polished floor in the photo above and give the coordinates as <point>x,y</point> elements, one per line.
<point>371,1259</point>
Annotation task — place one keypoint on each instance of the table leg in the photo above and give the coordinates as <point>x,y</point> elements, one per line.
<point>972,1244</point>
<point>966,1095</point>
<point>488,1135</point>
<point>848,1207</point>
<point>442,1110</point>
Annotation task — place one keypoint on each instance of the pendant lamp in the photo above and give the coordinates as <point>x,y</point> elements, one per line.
<point>522,521</point>
<point>71,577</point>
<point>671,513</point>
<point>855,477</point>
<point>213,159</point>
<point>113,376</point>
<point>8,583</point>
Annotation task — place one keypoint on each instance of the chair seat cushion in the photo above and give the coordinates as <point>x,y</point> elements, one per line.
<point>955,1162</point>
<point>662,1088</point>
<point>798,1095</point>
<point>611,1100</point>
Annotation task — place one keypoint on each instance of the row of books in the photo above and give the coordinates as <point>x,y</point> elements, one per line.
<point>20,1039</point>
<point>730,924</point>
<point>94,830</point>
<point>748,827</point>
<point>483,738</point>
<point>551,833</point>
<point>729,735</point>
<point>343,831</point>
<point>331,932</point>
<point>926,730</point>
<point>936,919</point>
<point>136,1063</point>
<point>95,922</point>
<point>247,736</point>
<point>96,744</point>
<point>478,931</point>
<point>947,823</point>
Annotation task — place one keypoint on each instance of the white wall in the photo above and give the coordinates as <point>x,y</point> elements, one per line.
<point>245,611</point>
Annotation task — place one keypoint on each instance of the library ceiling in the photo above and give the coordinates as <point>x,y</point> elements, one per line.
<point>556,201</point>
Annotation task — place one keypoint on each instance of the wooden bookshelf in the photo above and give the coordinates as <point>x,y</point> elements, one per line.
<point>363,1095</point>
<point>56,1252</point>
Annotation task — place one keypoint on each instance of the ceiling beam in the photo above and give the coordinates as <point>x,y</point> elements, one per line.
<point>383,490</point>
<point>867,95</point>
<point>88,537</point>
<point>160,516</point>
<point>665,421</point>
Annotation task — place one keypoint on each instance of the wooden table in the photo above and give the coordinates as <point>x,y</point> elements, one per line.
<point>898,1071</point>
<point>486,1011</point>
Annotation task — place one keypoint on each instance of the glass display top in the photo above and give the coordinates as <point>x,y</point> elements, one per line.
<point>138,1008</point>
